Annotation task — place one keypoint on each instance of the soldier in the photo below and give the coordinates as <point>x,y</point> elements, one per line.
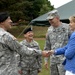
<point>30,65</point>
<point>57,36</point>
<point>69,50</point>
<point>9,45</point>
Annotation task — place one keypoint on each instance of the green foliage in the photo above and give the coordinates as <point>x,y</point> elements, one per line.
<point>46,7</point>
<point>25,9</point>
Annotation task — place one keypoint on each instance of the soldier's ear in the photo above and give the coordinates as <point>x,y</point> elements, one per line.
<point>24,35</point>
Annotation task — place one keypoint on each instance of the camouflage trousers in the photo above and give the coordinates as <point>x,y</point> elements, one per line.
<point>29,72</point>
<point>57,69</point>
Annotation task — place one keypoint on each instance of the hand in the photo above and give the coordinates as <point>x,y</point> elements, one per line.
<point>51,52</point>
<point>46,65</point>
<point>46,53</point>
<point>20,71</point>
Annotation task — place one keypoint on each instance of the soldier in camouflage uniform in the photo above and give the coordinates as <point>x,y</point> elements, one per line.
<point>30,65</point>
<point>9,45</point>
<point>57,36</point>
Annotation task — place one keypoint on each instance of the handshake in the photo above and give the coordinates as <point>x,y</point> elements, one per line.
<point>47,53</point>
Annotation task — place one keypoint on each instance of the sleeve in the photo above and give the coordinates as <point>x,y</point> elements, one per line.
<point>21,49</point>
<point>39,58</point>
<point>47,46</point>
<point>47,43</point>
<point>60,51</point>
<point>70,52</point>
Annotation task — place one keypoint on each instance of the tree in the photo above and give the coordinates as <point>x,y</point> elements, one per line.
<point>46,7</point>
<point>25,9</point>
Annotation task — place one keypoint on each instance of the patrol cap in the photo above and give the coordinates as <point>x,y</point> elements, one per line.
<point>3,16</point>
<point>27,30</point>
<point>52,14</point>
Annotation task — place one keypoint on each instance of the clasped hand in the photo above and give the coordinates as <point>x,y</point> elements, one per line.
<point>47,53</point>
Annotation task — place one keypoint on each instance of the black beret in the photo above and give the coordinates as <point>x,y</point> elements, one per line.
<point>3,16</point>
<point>27,30</point>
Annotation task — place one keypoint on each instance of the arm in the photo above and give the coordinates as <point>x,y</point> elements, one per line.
<point>21,49</point>
<point>47,43</point>
<point>70,52</point>
<point>47,47</point>
<point>39,60</point>
<point>60,51</point>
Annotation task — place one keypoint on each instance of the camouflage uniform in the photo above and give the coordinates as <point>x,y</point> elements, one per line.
<point>56,38</point>
<point>8,46</point>
<point>30,65</point>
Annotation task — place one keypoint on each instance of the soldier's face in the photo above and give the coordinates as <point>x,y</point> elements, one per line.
<point>54,22</point>
<point>29,35</point>
<point>7,23</point>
